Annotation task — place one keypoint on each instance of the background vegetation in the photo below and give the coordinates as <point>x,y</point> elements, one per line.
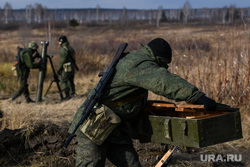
<point>215,58</point>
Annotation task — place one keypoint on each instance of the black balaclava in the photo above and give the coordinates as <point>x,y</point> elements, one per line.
<point>161,49</point>
<point>63,39</point>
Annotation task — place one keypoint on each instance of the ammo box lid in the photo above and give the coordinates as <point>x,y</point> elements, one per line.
<point>188,125</point>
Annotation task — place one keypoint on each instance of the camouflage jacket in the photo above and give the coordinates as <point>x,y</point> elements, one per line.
<point>136,73</point>
<point>65,52</point>
<point>27,62</point>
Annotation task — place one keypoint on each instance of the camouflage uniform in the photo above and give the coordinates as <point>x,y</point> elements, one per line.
<point>27,64</point>
<point>67,78</point>
<point>136,73</point>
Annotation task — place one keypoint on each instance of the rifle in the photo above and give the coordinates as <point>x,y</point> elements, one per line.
<point>90,103</point>
<point>74,62</point>
<point>18,62</point>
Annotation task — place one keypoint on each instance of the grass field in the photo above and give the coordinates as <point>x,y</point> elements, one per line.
<point>215,58</point>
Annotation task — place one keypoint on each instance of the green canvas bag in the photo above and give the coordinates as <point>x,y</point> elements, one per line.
<point>100,124</point>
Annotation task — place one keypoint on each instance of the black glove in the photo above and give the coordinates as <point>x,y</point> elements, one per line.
<point>208,103</point>
<point>41,64</point>
<point>59,72</point>
<point>37,55</point>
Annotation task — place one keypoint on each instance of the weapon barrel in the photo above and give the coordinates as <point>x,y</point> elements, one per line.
<point>42,71</point>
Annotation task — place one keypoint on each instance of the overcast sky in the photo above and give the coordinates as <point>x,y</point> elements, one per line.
<point>129,4</point>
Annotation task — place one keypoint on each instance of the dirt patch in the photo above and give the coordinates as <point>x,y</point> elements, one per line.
<point>42,145</point>
<point>36,143</point>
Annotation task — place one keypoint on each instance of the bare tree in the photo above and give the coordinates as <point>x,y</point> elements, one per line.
<point>242,15</point>
<point>97,13</point>
<point>124,16</point>
<point>159,14</point>
<point>103,16</point>
<point>28,13</point>
<point>110,17</point>
<point>150,16</point>
<point>39,12</point>
<point>1,14</point>
<point>88,16</point>
<point>234,14</point>
<point>186,11</point>
<point>143,15</point>
<point>80,17</point>
<point>7,12</point>
<point>224,14</point>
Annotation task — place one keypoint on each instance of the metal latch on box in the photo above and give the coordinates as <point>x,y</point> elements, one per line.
<point>184,127</point>
<point>167,126</point>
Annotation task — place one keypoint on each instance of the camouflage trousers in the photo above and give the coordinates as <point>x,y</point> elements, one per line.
<point>23,89</point>
<point>67,82</point>
<point>91,155</point>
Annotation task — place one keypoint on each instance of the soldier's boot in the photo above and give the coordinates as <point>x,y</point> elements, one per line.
<point>29,100</point>
<point>73,94</point>
<point>67,95</point>
<point>14,98</point>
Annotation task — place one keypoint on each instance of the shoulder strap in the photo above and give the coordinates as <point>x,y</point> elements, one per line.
<point>22,53</point>
<point>65,47</point>
<point>70,53</point>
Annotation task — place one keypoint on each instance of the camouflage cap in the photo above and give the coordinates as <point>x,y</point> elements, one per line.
<point>33,45</point>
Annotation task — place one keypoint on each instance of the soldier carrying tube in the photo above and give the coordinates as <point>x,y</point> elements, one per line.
<point>26,61</point>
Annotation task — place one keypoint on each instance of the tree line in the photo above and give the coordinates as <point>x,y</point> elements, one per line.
<point>41,14</point>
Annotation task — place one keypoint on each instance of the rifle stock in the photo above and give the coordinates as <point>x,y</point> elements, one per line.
<point>90,103</point>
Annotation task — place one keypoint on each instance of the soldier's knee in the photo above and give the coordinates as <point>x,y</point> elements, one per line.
<point>88,153</point>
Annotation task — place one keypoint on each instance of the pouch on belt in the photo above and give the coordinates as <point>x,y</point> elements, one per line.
<point>100,124</point>
<point>67,67</point>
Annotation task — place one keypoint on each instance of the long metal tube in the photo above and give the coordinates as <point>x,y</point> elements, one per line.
<point>42,71</point>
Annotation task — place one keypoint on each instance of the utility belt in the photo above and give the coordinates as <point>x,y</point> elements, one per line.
<point>67,67</point>
<point>124,100</point>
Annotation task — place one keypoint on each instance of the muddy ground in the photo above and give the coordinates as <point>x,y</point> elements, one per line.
<point>42,145</point>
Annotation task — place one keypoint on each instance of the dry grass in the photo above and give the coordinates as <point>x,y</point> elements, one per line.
<point>214,58</point>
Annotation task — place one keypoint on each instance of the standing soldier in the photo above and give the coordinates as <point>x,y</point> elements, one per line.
<point>27,63</point>
<point>66,67</point>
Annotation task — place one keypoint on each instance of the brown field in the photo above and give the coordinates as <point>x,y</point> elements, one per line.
<point>215,58</point>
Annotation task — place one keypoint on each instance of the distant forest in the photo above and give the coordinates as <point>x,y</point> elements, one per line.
<point>37,14</point>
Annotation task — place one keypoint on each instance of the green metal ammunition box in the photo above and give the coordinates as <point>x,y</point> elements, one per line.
<point>189,126</point>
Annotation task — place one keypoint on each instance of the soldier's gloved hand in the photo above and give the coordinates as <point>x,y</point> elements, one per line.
<point>208,103</point>
<point>59,72</point>
<point>40,64</point>
<point>37,55</point>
